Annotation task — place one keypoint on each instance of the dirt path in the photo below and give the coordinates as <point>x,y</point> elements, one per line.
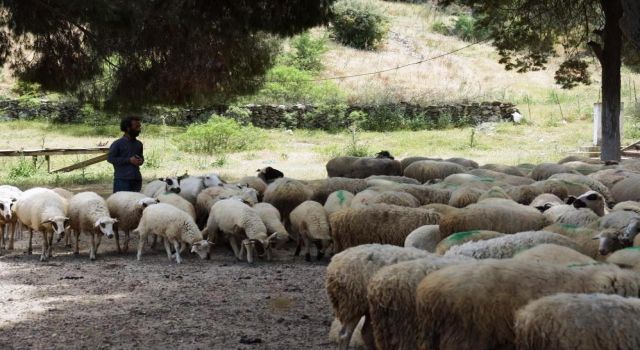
<point>117,302</point>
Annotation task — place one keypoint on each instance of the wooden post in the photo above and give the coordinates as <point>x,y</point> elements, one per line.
<point>35,161</point>
<point>48,159</point>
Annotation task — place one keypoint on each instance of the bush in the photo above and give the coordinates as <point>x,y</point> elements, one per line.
<point>218,135</point>
<point>291,85</point>
<point>329,117</point>
<point>464,26</point>
<point>358,23</point>
<point>384,118</point>
<point>306,53</point>
<point>23,169</point>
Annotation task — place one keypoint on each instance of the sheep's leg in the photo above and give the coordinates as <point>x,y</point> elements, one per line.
<point>127,238</point>
<point>141,241</point>
<point>176,245</point>
<point>92,252</point>
<point>76,251</point>
<point>344,337</point>
<point>12,231</point>
<point>153,241</point>
<point>116,231</point>
<point>30,250</point>
<point>50,248</point>
<point>3,237</point>
<point>99,240</point>
<point>320,249</point>
<point>298,247</point>
<point>367,333</point>
<point>307,247</point>
<point>167,247</point>
<point>234,245</point>
<point>67,239</point>
<point>45,246</point>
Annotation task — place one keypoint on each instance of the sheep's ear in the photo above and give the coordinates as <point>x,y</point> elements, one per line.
<point>596,237</point>
<point>97,223</point>
<point>161,178</point>
<point>14,199</point>
<point>274,236</point>
<point>115,221</point>
<point>570,200</point>
<point>48,221</point>
<point>194,248</point>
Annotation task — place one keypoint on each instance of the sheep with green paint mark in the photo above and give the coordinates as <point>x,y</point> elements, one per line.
<point>464,237</point>
<point>338,200</point>
<point>627,258</point>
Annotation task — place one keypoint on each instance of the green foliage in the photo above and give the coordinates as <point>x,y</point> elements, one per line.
<point>463,26</point>
<point>148,52</point>
<point>384,118</point>
<point>218,135</point>
<point>359,24</point>
<point>289,85</point>
<point>329,117</point>
<point>306,54</point>
<point>240,114</point>
<point>152,159</point>
<point>23,169</point>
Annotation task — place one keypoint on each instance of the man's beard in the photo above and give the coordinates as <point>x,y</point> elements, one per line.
<point>134,133</point>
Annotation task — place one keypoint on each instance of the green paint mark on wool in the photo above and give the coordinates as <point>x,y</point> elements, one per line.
<point>458,236</point>
<point>632,248</point>
<point>487,179</point>
<point>341,196</point>
<point>568,226</point>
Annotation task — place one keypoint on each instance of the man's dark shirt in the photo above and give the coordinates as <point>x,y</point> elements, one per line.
<point>119,153</point>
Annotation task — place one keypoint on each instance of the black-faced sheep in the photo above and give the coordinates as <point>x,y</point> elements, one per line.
<point>269,174</point>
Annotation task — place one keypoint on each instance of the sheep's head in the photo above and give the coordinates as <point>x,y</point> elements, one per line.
<point>172,184</point>
<point>105,225</point>
<point>609,241</point>
<point>269,174</point>
<point>630,232</point>
<point>5,208</point>
<point>592,200</point>
<point>212,180</point>
<point>201,248</point>
<point>57,224</point>
<point>145,202</point>
<point>384,155</point>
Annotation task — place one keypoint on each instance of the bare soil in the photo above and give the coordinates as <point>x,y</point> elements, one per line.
<point>117,302</point>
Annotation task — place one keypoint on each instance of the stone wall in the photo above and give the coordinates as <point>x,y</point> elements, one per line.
<point>268,116</point>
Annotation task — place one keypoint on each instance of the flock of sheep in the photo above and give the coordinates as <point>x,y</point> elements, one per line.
<point>426,253</point>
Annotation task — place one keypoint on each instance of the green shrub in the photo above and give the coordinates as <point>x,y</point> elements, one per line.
<point>464,26</point>
<point>306,53</point>
<point>329,117</point>
<point>218,135</point>
<point>23,169</point>
<point>359,24</point>
<point>240,114</point>
<point>289,85</point>
<point>384,118</point>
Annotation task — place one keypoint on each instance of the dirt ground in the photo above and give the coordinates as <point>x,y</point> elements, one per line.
<point>117,302</point>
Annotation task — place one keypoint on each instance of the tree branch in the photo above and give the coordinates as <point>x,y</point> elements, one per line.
<point>597,49</point>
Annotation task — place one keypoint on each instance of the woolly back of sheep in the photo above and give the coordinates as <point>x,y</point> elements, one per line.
<point>323,188</point>
<point>381,223</point>
<point>459,238</point>
<point>579,321</point>
<point>286,194</point>
<point>425,170</point>
<point>472,305</point>
<point>498,215</point>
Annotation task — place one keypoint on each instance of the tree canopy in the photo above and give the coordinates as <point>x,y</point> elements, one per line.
<point>117,52</point>
<point>528,32</point>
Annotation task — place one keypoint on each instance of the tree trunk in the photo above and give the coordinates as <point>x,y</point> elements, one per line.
<point>630,22</point>
<point>611,63</point>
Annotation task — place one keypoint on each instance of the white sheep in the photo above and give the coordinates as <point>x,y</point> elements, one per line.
<point>286,194</point>
<point>473,305</point>
<point>507,246</point>
<point>45,211</point>
<point>89,214</point>
<point>549,253</point>
<point>310,223</point>
<point>424,237</point>
<point>238,221</point>
<point>425,170</point>
<point>347,277</point>
<point>175,227</point>
<point>272,220</point>
<point>254,182</point>
<point>592,200</point>
<point>545,201</point>
<point>162,185</point>
<point>493,214</point>
<point>391,294</point>
<point>579,321</point>
<point>568,214</point>
<point>190,186</point>
<point>9,223</point>
<point>210,195</point>
<point>338,200</point>
<point>177,201</point>
<point>626,258</point>
<point>459,238</point>
<point>592,183</point>
<point>363,199</point>
<point>127,208</point>
<point>380,223</point>
<point>544,171</point>
<point>506,169</point>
